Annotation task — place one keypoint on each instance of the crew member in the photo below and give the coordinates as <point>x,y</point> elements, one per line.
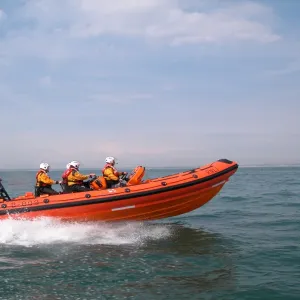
<point>44,182</point>
<point>64,183</point>
<point>74,179</point>
<point>111,174</point>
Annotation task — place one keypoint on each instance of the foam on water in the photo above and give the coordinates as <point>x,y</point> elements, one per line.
<point>50,231</point>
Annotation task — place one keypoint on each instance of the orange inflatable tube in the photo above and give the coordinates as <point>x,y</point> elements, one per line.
<point>136,175</point>
<point>152,199</point>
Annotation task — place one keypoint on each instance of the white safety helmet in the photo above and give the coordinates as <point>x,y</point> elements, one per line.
<point>68,166</point>
<point>110,160</point>
<point>74,164</point>
<point>44,166</point>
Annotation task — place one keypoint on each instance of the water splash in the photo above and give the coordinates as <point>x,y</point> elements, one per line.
<point>52,231</point>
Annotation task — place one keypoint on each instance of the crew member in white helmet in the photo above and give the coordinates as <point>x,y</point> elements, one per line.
<point>111,174</point>
<point>44,182</point>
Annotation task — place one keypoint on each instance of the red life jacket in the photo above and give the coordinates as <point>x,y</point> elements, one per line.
<point>40,182</point>
<point>66,174</point>
<point>116,173</point>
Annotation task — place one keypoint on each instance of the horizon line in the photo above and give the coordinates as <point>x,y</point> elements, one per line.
<point>164,167</point>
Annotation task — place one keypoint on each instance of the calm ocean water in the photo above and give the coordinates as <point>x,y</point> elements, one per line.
<point>244,244</point>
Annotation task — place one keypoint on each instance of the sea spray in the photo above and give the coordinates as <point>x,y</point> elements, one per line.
<point>51,231</point>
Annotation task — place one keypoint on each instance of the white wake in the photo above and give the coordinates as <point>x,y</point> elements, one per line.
<point>52,231</point>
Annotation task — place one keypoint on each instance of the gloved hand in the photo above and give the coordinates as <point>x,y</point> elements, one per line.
<point>92,175</point>
<point>58,182</point>
<point>123,182</point>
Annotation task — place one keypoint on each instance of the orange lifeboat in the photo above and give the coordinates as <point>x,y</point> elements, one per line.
<point>139,200</point>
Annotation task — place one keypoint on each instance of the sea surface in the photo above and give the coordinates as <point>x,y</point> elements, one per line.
<point>244,244</point>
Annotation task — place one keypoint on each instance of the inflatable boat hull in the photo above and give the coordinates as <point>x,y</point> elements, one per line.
<point>152,199</point>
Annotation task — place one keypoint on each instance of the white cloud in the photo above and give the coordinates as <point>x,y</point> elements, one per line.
<point>166,20</point>
<point>63,29</point>
<point>163,20</point>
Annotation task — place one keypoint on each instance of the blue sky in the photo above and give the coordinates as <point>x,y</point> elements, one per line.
<point>152,82</point>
